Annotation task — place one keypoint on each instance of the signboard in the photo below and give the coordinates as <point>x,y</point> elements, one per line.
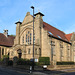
<point>36,60</point>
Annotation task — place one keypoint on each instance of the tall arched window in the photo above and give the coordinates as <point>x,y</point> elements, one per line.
<point>28,37</point>
<point>23,40</point>
<point>28,40</point>
<point>35,51</point>
<point>2,51</point>
<point>29,51</point>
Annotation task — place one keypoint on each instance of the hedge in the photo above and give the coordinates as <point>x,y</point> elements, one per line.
<point>65,63</point>
<point>10,63</point>
<point>44,60</point>
<point>5,56</point>
<point>24,62</point>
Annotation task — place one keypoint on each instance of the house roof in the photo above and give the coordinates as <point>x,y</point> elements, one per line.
<point>6,41</point>
<point>68,36</point>
<point>56,32</point>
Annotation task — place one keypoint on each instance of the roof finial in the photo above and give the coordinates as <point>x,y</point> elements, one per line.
<point>38,10</point>
<point>19,20</point>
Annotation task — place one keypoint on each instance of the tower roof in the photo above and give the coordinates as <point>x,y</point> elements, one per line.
<point>39,13</point>
<point>18,22</point>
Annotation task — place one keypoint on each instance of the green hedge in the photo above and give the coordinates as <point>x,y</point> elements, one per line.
<point>65,63</point>
<point>44,60</point>
<point>10,63</point>
<point>24,62</point>
<point>1,60</point>
<point>5,56</point>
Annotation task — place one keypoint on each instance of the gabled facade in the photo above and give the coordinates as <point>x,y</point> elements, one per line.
<point>48,41</point>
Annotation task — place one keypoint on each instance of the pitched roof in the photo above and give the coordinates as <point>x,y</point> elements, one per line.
<point>54,31</point>
<point>68,36</point>
<point>6,41</point>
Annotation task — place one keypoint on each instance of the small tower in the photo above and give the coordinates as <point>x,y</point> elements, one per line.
<point>6,33</point>
<point>17,39</point>
<point>38,26</point>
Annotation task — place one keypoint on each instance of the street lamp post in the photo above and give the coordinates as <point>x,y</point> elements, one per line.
<point>33,38</point>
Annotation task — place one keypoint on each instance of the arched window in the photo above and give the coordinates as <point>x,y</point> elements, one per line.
<point>36,51</point>
<point>2,51</point>
<point>12,53</point>
<point>28,37</point>
<point>28,32</point>
<point>23,40</point>
<point>29,51</point>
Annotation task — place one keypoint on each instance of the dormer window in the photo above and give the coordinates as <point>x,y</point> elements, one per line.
<point>50,33</point>
<point>58,36</point>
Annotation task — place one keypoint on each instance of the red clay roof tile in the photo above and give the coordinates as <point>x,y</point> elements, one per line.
<point>6,41</point>
<point>56,32</point>
<point>68,36</point>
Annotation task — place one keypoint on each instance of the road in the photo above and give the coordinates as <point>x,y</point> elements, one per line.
<point>72,73</point>
<point>6,71</point>
<point>11,71</point>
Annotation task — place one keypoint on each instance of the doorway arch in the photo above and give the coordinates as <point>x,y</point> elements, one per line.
<point>19,51</point>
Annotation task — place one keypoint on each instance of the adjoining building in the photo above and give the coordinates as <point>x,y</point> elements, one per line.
<point>6,42</point>
<point>48,41</point>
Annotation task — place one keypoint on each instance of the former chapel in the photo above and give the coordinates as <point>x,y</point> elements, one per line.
<point>48,41</point>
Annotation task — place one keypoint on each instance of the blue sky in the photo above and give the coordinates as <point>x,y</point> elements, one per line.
<point>58,13</point>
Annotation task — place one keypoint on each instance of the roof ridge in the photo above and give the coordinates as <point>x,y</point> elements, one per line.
<point>69,33</point>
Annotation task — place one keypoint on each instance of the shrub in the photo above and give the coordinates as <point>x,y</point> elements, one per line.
<point>15,59</point>
<point>5,56</point>
<point>65,63</point>
<point>44,60</point>
<point>1,60</point>
<point>24,62</point>
<point>5,61</point>
<point>20,61</point>
<point>10,63</point>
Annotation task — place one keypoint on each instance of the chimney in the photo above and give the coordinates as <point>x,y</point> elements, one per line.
<point>6,33</point>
